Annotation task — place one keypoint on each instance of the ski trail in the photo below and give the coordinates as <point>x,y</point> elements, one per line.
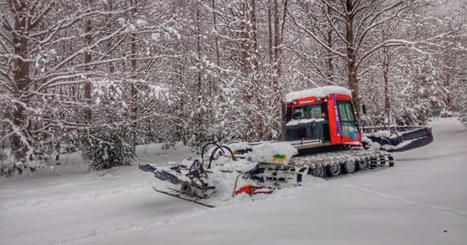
<point>405,201</point>
<point>101,233</point>
<point>60,200</point>
<point>86,237</point>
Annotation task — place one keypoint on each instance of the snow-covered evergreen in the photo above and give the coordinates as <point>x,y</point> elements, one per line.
<point>103,148</point>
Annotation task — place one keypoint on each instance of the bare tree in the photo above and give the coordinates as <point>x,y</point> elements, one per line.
<point>353,22</point>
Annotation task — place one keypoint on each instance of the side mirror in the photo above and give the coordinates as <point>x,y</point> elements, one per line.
<point>364,108</point>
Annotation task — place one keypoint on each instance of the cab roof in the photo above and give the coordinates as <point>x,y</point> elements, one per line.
<point>317,92</point>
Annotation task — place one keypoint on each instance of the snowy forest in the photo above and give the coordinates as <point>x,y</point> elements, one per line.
<point>73,73</point>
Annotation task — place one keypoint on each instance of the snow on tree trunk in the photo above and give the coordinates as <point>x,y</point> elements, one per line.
<point>21,72</point>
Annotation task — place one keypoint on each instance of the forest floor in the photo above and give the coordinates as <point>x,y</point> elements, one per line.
<point>422,200</point>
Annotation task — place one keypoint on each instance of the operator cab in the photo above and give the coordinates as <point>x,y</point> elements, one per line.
<point>320,117</point>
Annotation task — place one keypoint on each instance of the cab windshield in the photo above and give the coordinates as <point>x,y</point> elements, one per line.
<point>309,112</point>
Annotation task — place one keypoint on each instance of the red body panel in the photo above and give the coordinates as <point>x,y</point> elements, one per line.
<point>333,117</point>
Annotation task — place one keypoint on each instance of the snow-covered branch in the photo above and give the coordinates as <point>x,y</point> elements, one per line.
<point>384,44</point>
<point>316,38</point>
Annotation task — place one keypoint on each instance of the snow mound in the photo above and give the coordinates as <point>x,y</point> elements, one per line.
<point>266,151</point>
<point>295,122</point>
<point>317,92</point>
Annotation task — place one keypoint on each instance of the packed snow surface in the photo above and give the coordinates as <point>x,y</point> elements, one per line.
<point>422,200</point>
<point>317,92</point>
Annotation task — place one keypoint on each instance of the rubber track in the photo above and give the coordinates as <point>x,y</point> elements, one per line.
<point>322,165</point>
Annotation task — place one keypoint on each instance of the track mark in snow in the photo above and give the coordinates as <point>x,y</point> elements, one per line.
<point>101,233</point>
<point>86,237</point>
<point>65,200</point>
<point>402,200</point>
<point>432,157</point>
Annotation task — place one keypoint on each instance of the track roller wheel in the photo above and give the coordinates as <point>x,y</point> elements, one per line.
<point>382,160</point>
<point>391,160</point>
<point>362,164</point>
<point>349,166</point>
<point>333,169</point>
<point>300,174</point>
<point>318,171</point>
<point>373,161</point>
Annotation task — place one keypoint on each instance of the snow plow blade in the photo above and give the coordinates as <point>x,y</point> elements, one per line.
<point>189,182</point>
<point>160,174</point>
<point>147,167</point>
<point>404,140</point>
<point>180,196</point>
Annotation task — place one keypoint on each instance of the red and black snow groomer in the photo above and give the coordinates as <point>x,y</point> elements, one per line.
<point>321,138</point>
<point>322,125</point>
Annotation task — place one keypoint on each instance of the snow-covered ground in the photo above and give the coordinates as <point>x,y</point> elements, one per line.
<point>423,200</point>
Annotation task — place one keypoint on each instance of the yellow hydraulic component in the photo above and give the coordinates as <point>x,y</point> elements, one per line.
<point>279,158</point>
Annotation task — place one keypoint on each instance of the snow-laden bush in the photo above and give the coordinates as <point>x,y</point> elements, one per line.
<point>412,116</point>
<point>401,116</point>
<point>463,110</point>
<point>463,117</point>
<point>104,148</point>
<point>3,157</point>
